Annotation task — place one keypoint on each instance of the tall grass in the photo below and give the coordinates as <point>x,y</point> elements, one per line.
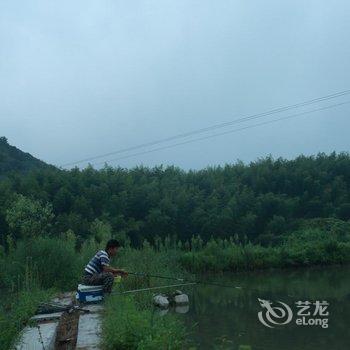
<point>18,304</point>
<point>32,272</point>
<point>53,261</point>
<point>16,313</point>
<point>150,260</point>
<point>302,248</point>
<point>131,324</point>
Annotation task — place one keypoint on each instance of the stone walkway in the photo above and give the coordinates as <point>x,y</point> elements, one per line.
<point>41,337</point>
<point>89,328</point>
<point>46,330</point>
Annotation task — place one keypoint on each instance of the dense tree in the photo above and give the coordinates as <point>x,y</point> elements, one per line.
<point>259,201</point>
<point>28,218</point>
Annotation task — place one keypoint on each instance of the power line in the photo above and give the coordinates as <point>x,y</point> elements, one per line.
<point>213,127</point>
<point>226,132</point>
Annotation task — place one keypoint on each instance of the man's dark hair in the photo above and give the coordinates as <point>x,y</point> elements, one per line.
<point>112,243</point>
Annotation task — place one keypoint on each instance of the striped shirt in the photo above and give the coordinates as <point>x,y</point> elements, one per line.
<point>96,264</point>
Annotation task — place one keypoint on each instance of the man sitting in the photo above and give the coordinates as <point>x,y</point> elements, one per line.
<point>98,271</point>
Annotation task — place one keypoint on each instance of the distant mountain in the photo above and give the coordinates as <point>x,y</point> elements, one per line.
<point>13,159</point>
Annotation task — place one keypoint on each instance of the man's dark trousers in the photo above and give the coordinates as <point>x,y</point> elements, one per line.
<point>104,279</point>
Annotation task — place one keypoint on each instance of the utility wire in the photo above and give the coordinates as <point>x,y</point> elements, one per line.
<point>224,133</point>
<point>213,127</point>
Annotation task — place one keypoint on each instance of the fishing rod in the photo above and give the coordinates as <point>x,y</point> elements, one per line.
<point>153,288</point>
<point>188,282</point>
<point>142,274</point>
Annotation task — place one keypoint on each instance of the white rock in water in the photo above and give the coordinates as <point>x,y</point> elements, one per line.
<point>181,299</point>
<point>161,301</point>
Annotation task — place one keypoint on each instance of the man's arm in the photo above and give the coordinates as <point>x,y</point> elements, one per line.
<point>115,271</point>
<point>104,259</point>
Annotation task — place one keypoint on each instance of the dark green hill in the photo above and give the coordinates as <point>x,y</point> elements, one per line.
<point>13,159</point>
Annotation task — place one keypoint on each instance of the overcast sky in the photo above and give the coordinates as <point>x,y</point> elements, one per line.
<point>83,78</point>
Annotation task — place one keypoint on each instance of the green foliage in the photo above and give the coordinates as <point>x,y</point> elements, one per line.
<point>245,347</point>
<point>101,231</point>
<point>131,322</point>
<point>28,218</point>
<point>19,301</point>
<point>301,248</point>
<point>257,202</point>
<point>335,228</point>
<point>130,325</point>
<point>149,260</point>
<point>12,159</point>
<point>53,260</point>
<point>314,246</point>
<point>16,313</point>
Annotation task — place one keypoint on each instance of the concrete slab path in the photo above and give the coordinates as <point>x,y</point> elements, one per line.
<point>89,331</point>
<point>32,339</point>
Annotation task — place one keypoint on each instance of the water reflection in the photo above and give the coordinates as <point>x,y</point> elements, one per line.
<point>227,318</point>
<point>183,309</point>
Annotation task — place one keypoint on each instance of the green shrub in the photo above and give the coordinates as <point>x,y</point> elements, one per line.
<point>128,326</point>
<point>15,313</point>
<point>314,246</point>
<point>306,247</point>
<point>54,260</point>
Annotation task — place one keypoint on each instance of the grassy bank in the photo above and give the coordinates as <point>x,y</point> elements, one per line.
<point>132,322</point>
<point>16,308</point>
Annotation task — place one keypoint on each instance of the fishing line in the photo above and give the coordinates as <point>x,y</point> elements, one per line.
<point>215,284</point>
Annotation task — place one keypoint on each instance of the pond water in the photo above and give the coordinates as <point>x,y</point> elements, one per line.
<point>227,318</point>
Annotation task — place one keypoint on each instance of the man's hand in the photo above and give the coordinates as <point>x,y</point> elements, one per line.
<point>121,272</point>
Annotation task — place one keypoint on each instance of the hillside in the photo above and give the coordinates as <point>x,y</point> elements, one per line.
<point>259,202</point>
<point>13,159</point>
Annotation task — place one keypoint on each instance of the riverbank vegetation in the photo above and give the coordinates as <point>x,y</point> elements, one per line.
<point>132,324</point>
<point>131,321</point>
<point>305,247</point>
<point>48,265</point>
<point>36,269</point>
